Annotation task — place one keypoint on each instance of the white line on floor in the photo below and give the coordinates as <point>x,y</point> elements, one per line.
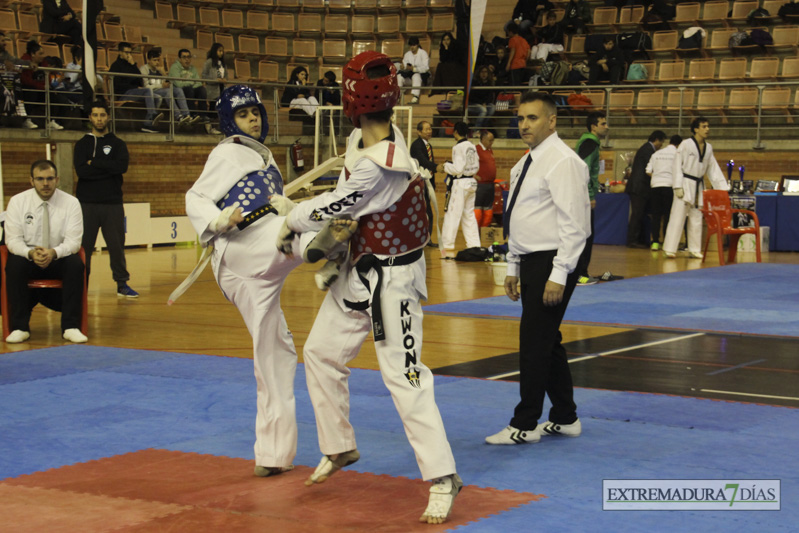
<point>749,394</point>
<point>611,352</point>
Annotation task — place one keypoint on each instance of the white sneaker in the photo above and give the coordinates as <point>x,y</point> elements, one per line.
<point>29,124</point>
<point>18,336</point>
<point>74,335</point>
<point>511,435</point>
<point>567,430</point>
<point>697,255</point>
<point>442,496</point>
<point>55,125</point>
<point>415,100</point>
<point>670,255</point>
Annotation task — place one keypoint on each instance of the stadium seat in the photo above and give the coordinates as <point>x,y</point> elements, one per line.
<point>719,44</point>
<point>678,101</point>
<point>362,25</point>
<point>257,21</point>
<point>388,24</point>
<point>268,70</point>
<point>786,39</point>
<point>777,100</point>
<point>714,13</point>
<point>764,68</point>
<point>743,100</point>
<point>604,20</point>
<point>710,102</point>
<point>671,70</point>
<point>650,102</point>
<point>276,47</point>
<point>209,17</point>
<point>620,102</point>
<point>283,24</point>
<point>334,50</point>
<point>337,24</point>
<point>309,23</point>
<point>630,18</point>
<point>732,69</point>
<point>687,14</point>
<point>304,49</point>
<point>233,19</point>
<point>664,43</point>
<point>443,22</point>
<point>790,68</point>
<point>701,69</point>
<point>741,10</point>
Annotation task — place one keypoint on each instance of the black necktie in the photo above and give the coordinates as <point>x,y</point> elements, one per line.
<point>506,216</point>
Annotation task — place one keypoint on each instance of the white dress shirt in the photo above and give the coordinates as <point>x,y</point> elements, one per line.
<point>660,167</point>
<point>24,223</point>
<point>553,210</point>
<point>420,61</point>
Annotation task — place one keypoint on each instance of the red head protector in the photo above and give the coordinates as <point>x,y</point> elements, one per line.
<point>363,95</point>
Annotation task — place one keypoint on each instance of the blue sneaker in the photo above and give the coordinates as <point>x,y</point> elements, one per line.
<point>126,292</point>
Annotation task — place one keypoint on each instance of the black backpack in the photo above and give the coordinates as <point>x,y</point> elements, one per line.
<point>472,254</point>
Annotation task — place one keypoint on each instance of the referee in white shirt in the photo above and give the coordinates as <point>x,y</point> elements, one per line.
<point>547,221</point>
<point>44,228</point>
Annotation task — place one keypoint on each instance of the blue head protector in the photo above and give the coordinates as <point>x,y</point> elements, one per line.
<point>234,98</point>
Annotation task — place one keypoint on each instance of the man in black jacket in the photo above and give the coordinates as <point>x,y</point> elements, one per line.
<point>607,65</point>
<point>100,159</point>
<point>638,189</point>
<point>58,17</point>
<point>422,151</point>
<point>126,88</point>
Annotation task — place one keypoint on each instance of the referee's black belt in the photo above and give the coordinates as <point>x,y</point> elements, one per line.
<point>256,214</point>
<point>692,177</point>
<point>535,255</point>
<point>370,262</point>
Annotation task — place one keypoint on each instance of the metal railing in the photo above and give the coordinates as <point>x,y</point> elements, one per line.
<point>753,122</point>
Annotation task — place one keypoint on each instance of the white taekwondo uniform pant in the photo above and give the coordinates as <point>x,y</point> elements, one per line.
<point>251,273</point>
<point>336,338</point>
<point>679,210</point>
<point>461,209</point>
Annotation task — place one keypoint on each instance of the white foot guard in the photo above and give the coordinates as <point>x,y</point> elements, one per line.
<point>329,466</point>
<point>327,275</point>
<point>267,471</point>
<point>442,496</point>
<point>335,232</point>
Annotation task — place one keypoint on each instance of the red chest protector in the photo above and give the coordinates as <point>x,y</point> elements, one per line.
<point>400,229</point>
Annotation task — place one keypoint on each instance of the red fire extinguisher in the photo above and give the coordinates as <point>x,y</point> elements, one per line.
<point>296,157</point>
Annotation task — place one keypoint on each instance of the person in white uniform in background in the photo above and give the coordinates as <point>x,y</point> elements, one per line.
<point>231,193</point>
<point>379,290</point>
<point>660,168</point>
<point>461,190</point>
<point>694,160</point>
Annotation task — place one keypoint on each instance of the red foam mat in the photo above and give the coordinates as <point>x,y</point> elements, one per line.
<point>159,490</point>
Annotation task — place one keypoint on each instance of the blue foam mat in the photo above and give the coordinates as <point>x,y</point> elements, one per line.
<point>751,298</point>
<point>93,402</point>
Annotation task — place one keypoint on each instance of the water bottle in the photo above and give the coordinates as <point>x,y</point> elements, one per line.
<point>495,249</point>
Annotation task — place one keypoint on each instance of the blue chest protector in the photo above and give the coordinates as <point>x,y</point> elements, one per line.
<point>253,190</point>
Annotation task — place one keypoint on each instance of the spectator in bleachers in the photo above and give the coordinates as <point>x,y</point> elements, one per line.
<point>463,14</point>
<point>415,68</point>
<point>165,89</point>
<point>10,79</point>
<point>58,82</point>
<point>298,95</point>
<point>607,65</point>
<point>72,80</point>
<point>525,14</point>
<point>33,81</point>
<point>481,99</point>
<point>132,88</point>
<point>451,68</point>
<point>498,65</point>
<point>550,38</point>
<point>577,15</point>
<point>326,88</point>
<point>518,50</point>
<point>193,89</point>
<point>215,69</point>
<point>58,17</point>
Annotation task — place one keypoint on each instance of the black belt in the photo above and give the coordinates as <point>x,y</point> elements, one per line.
<point>696,191</point>
<point>255,215</point>
<point>370,262</point>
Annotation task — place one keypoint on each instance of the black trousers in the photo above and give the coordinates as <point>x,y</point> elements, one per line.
<point>543,366</point>
<point>111,219</point>
<point>661,198</point>
<point>197,99</point>
<point>585,256</point>
<point>635,225</point>
<point>21,299</point>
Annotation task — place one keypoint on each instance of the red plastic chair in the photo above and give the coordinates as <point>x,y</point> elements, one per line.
<point>41,284</point>
<point>718,215</point>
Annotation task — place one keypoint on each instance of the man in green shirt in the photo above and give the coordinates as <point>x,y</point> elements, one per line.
<point>194,91</point>
<point>588,150</point>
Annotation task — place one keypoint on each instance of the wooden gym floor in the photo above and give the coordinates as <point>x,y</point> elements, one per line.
<point>203,322</point>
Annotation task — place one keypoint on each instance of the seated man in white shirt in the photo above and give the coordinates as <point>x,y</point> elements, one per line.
<point>44,228</point>
<point>415,68</point>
